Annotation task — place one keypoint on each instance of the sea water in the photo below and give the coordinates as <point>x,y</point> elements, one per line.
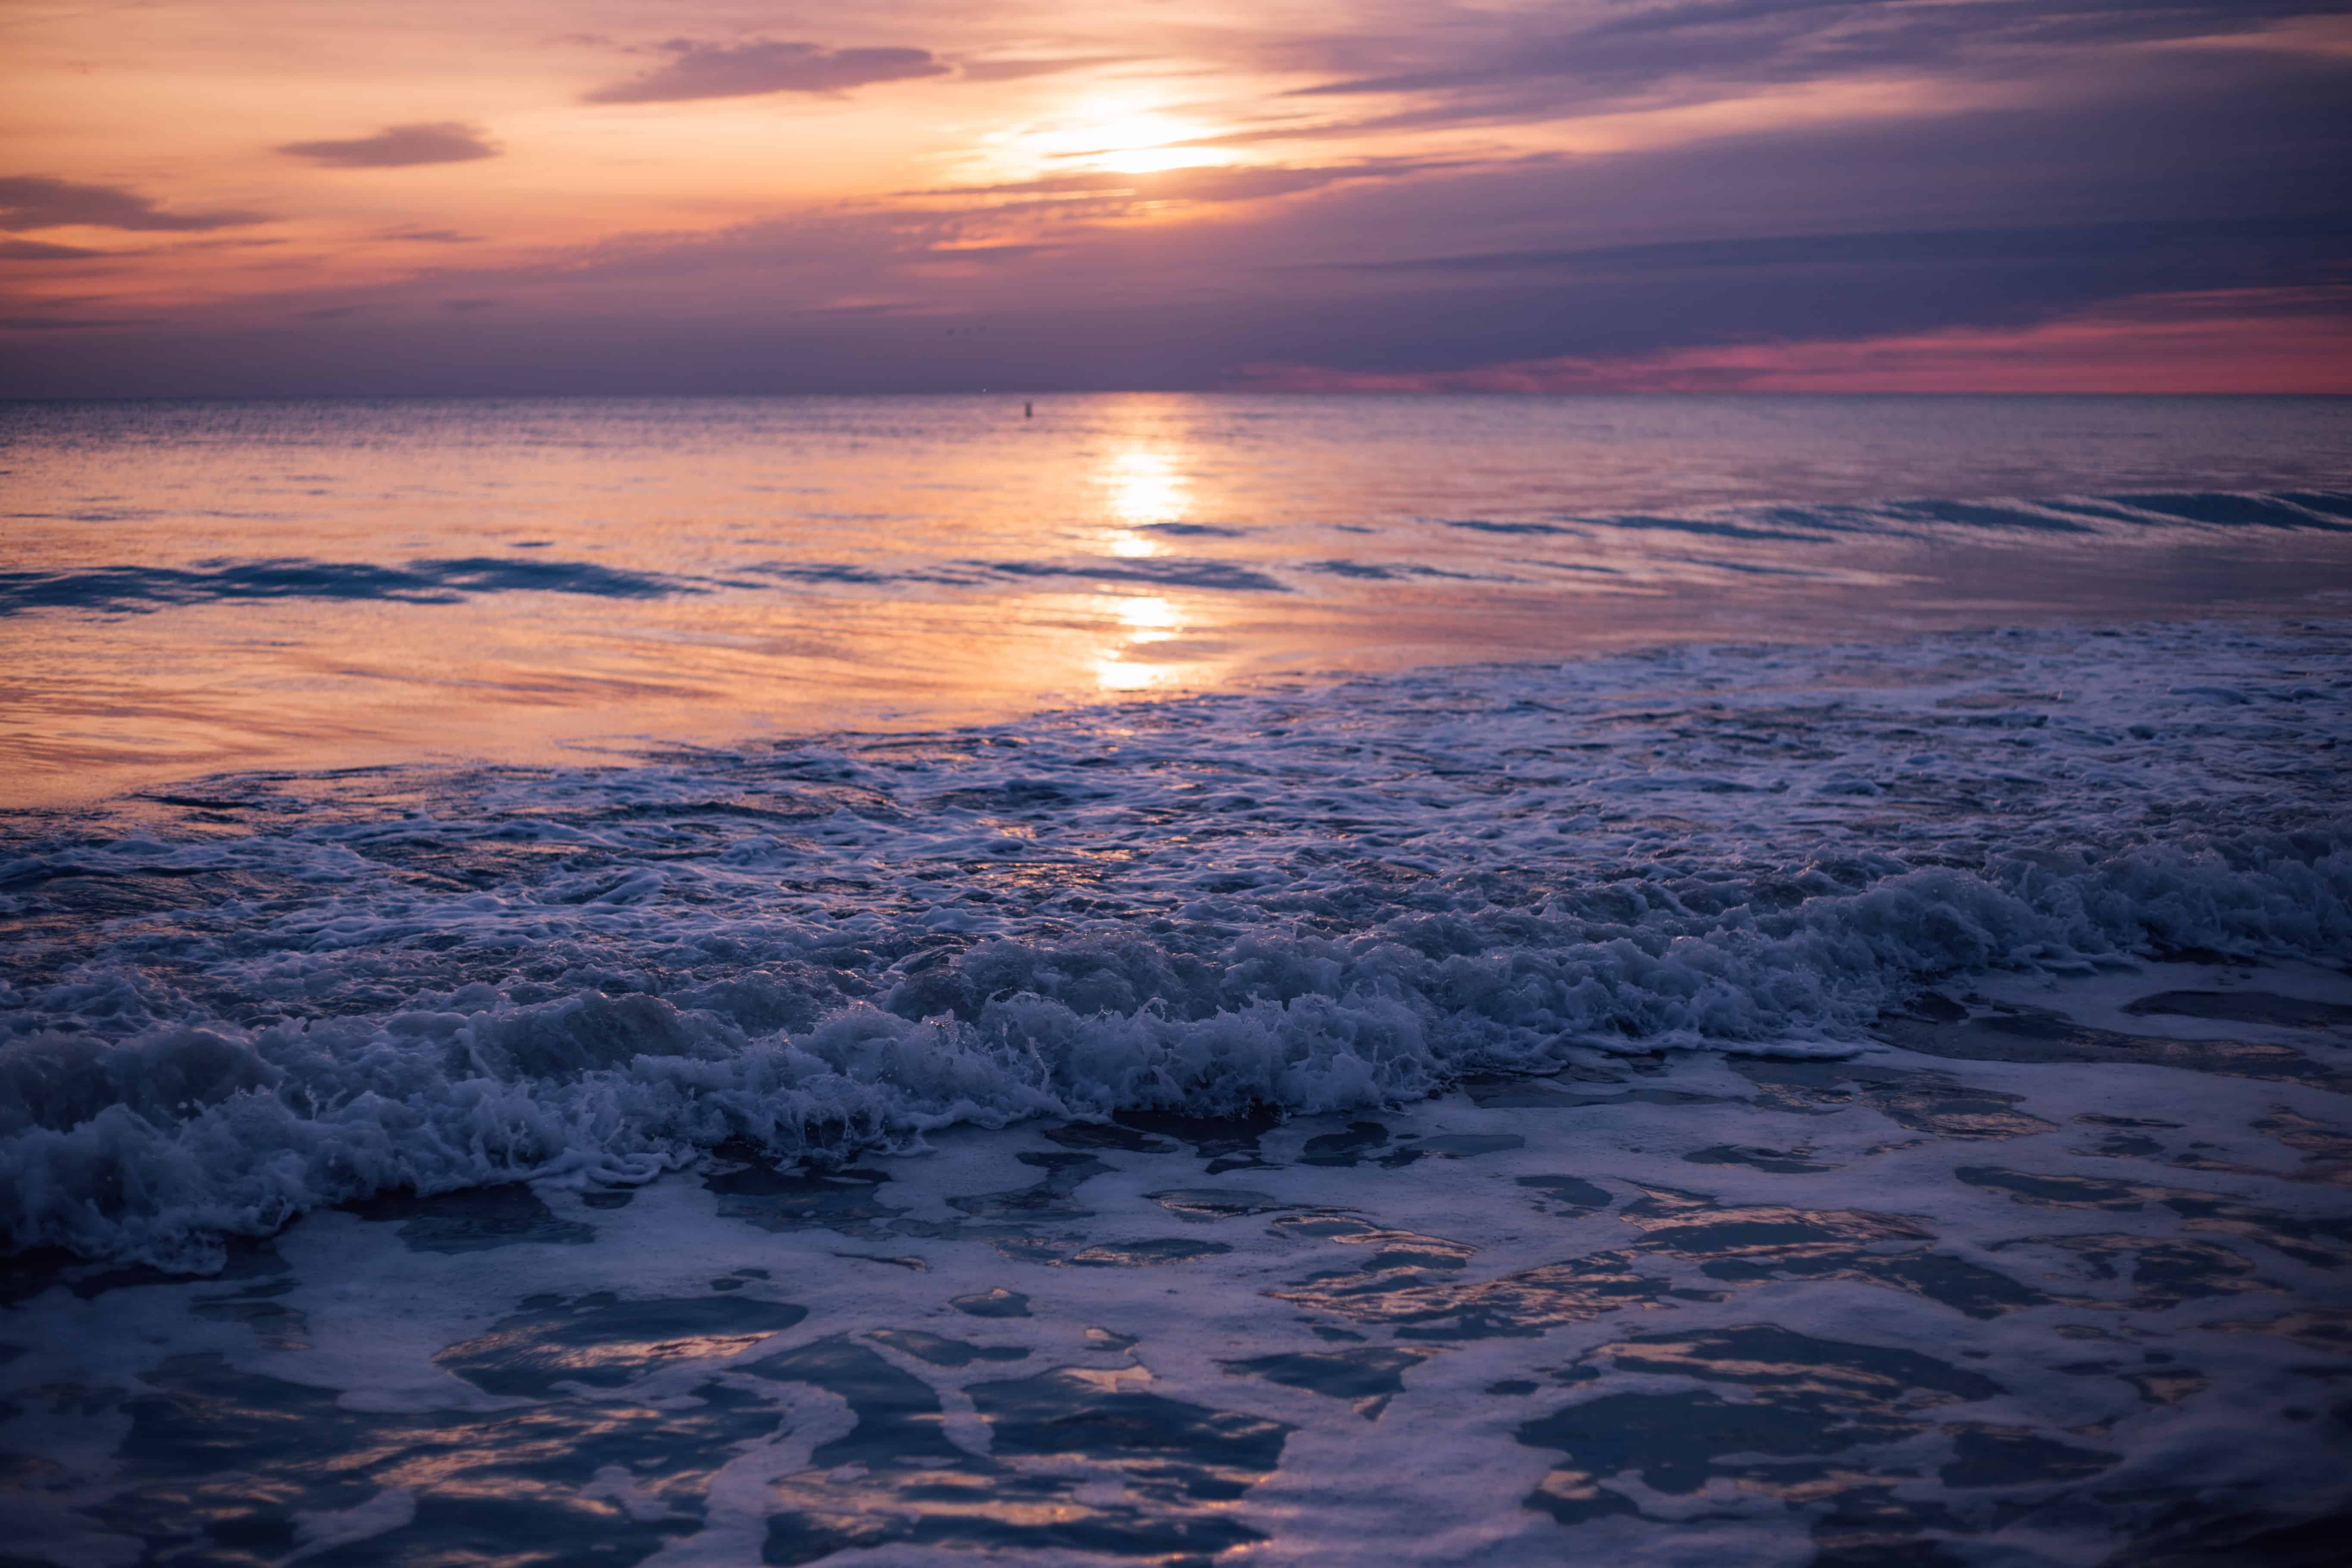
<point>188,588</point>
<point>1297,980</point>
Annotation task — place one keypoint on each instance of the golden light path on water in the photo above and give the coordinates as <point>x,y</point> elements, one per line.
<point>200,587</point>
<point>1146,488</point>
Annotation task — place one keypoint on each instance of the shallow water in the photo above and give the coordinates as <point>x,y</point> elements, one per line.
<point>229,1004</point>
<point>1927,1303</point>
<point>1873,1095</point>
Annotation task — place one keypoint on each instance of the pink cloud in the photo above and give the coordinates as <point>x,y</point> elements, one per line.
<point>698,71</point>
<point>2228,341</point>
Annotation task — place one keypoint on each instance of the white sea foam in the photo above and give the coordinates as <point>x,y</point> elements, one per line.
<point>311,990</point>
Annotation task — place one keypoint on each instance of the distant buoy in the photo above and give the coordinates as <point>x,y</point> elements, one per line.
<point>1028,411</point>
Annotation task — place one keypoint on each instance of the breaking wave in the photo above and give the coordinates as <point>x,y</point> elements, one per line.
<point>225,1007</point>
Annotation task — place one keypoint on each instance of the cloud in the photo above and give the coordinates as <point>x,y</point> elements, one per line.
<point>1014,71</point>
<point>1945,236</point>
<point>398,147</point>
<point>960,254</point>
<point>1636,58</point>
<point>2297,341</point>
<point>1936,247</point>
<point>1781,41</point>
<point>747,70</point>
<point>37,201</point>
<point>70,324</point>
<point>40,250</point>
<point>1205,183</point>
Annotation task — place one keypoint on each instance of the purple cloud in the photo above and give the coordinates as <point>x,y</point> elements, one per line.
<point>399,147</point>
<point>37,201</point>
<point>1636,47</point>
<point>41,250</point>
<point>2105,185</point>
<point>748,71</point>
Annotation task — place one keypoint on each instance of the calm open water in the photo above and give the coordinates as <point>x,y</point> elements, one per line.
<point>194,586</point>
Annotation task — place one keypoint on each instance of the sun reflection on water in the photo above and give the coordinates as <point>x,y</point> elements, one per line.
<point>1146,488</point>
<point>1111,674</point>
<point>1153,617</point>
<point>1147,618</point>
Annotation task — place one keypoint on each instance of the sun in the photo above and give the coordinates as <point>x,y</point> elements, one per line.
<point>1119,135</point>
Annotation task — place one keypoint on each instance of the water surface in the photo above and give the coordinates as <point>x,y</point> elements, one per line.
<point>195,586</point>
<point>1860,1076</point>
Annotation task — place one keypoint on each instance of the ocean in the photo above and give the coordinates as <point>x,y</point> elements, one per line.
<point>1216,979</point>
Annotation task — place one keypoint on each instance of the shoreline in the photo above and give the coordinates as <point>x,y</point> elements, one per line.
<point>2022,1299</point>
<point>1313,899</point>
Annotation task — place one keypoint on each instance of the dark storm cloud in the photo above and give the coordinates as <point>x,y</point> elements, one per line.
<point>36,201</point>
<point>697,70</point>
<point>399,147</point>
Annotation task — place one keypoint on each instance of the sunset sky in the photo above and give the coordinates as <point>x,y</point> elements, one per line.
<point>266,196</point>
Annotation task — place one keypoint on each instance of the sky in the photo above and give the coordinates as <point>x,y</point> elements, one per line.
<point>266,197</point>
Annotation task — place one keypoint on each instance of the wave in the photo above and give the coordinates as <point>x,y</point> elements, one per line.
<point>313,990</point>
<point>1428,557</point>
<point>2119,516</point>
<point>1175,572</point>
<point>136,588</point>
